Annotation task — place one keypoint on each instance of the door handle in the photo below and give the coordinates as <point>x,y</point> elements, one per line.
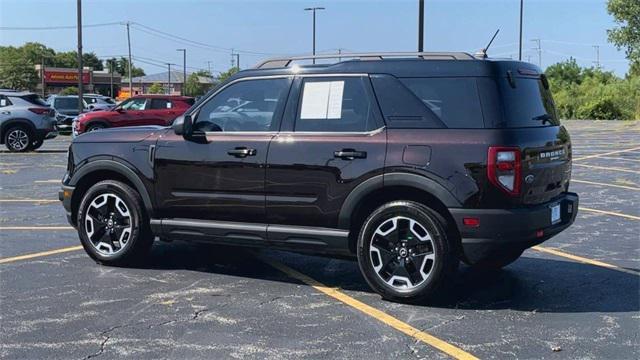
<point>5,112</point>
<point>242,152</point>
<point>350,154</point>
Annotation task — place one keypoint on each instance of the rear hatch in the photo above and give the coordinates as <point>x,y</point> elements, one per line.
<point>530,124</point>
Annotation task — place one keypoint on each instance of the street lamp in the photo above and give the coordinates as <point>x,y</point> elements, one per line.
<point>314,28</point>
<point>184,69</point>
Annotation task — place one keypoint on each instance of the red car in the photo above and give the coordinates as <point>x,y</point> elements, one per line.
<point>138,110</point>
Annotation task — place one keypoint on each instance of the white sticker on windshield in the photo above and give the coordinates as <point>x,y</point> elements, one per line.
<point>322,100</point>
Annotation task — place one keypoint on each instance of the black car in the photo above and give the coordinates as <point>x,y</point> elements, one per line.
<point>407,162</point>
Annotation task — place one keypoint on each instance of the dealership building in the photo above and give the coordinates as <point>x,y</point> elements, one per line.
<point>54,80</point>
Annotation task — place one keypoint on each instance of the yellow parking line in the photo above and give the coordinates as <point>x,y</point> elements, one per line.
<point>584,260</point>
<point>607,153</point>
<point>632,217</point>
<point>39,254</point>
<point>605,184</point>
<point>44,227</point>
<point>379,315</point>
<point>608,168</point>
<point>28,200</point>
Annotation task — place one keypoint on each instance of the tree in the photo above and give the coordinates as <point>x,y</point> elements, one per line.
<point>156,88</point>
<point>16,71</point>
<point>193,86</point>
<point>626,14</point>
<point>227,74</point>
<point>71,90</point>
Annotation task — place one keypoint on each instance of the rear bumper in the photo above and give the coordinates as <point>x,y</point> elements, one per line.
<point>46,134</point>
<point>512,229</point>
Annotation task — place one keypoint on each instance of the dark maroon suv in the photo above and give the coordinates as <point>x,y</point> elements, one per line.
<point>408,162</point>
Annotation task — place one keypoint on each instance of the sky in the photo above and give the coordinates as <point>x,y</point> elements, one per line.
<point>264,29</point>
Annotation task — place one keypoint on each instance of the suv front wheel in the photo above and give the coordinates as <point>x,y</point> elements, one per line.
<point>112,225</point>
<point>403,252</point>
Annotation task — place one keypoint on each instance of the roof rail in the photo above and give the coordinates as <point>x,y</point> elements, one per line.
<point>286,61</point>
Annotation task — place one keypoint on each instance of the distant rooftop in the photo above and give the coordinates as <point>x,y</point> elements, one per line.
<point>176,78</point>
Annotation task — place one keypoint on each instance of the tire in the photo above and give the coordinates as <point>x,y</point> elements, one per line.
<point>498,261</point>
<point>393,240</point>
<point>112,224</point>
<point>95,126</point>
<point>18,139</point>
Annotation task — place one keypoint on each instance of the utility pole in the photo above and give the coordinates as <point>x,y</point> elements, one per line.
<point>130,65</point>
<point>184,69</point>
<point>111,78</point>
<point>339,53</point>
<point>539,49</point>
<point>420,25</point>
<point>42,77</point>
<point>169,80</point>
<point>597,62</point>
<point>209,67</point>
<point>80,82</point>
<point>520,43</point>
<point>314,9</point>
<point>238,61</point>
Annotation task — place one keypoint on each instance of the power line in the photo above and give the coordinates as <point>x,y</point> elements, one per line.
<point>65,27</point>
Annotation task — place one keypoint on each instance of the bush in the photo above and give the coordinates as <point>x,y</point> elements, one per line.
<point>71,90</point>
<point>600,109</point>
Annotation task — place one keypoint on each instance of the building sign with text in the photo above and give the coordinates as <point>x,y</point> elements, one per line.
<point>64,77</point>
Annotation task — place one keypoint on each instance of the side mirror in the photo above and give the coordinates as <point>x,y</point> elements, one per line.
<point>119,110</point>
<point>178,125</point>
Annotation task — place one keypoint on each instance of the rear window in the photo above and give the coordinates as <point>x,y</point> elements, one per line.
<point>66,103</point>
<point>34,99</point>
<point>453,100</point>
<point>527,103</point>
<point>161,104</point>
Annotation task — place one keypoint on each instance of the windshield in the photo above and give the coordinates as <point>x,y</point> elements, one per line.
<point>528,104</point>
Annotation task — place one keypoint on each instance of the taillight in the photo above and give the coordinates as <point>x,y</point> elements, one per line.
<point>504,169</point>
<point>39,111</point>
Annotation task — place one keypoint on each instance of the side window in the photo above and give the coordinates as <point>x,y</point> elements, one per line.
<point>134,104</point>
<point>4,101</point>
<point>455,101</point>
<point>335,104</point>
<point>161,104</point>
<point>248,105</point>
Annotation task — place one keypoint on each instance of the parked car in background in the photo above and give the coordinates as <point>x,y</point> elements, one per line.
<point>96,102</point>
<point>66,107</point>
<point>25,120</point>
<point>138,110</point>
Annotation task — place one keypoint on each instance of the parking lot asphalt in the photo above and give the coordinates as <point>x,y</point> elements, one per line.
<point>576,296</point>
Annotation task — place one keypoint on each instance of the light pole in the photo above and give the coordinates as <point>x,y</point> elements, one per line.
<point>420,25</point>
<point>313,9</point>
<point>80,82</point>
<point>184,69</point>
<point>520,43</point>
<point>169,79</point>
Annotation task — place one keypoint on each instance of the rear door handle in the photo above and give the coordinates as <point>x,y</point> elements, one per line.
<point>242,152</point>
<point>5,112</point>
<point>350,154</point>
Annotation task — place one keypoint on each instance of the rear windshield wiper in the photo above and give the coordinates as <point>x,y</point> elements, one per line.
<point>545,118</point>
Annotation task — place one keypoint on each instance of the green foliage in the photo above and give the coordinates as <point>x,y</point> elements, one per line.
<point>156,88</point>
<point>121,66</point>
<point>626,14</point>
<point>16,71</point>
<point>591,93</point>
<point>71,90</point>
<point>193,87</point>
<point>227,74</point>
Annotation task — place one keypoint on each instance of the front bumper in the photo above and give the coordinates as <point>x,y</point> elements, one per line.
<point>64,195</point>
<point>501,230</point>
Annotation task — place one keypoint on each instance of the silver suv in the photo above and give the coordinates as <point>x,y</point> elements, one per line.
<point>97,102</point>
<point>25,120</point>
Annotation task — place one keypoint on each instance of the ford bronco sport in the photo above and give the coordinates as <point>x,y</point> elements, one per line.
<point>408,162</point>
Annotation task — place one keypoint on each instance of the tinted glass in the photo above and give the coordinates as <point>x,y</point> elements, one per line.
<point>4,101</point>
<point>134,104</point>
<point>66,103</point>
<point>453,100</point>
<point>528,104</point>
<point>248,105</point>
<point>160,104</point>
<point>335,105</point>
<point>36,99</point>
<point>90,100</point>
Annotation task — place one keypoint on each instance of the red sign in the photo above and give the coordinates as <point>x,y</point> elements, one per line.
<point>65,77</point>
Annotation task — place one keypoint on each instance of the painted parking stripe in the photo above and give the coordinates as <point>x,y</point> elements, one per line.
<point>605,184</point>
<point>619,158</point>
<point>39,254</point>
<point>608,168</point>
<point>605,154</point>
<point>52,181</point>
<point>43,227</point>
<point>556,252</point>
<point>632,217</point>
<point>379,315</point>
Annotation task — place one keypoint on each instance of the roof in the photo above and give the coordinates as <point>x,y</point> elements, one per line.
<point>177,77</point>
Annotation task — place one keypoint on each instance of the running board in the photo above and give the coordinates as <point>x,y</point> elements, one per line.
<point>254,234</point>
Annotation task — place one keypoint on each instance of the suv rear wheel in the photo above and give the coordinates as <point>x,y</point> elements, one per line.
<point>112,225</point>
<point>403,252</point>
<point>18,139</point>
